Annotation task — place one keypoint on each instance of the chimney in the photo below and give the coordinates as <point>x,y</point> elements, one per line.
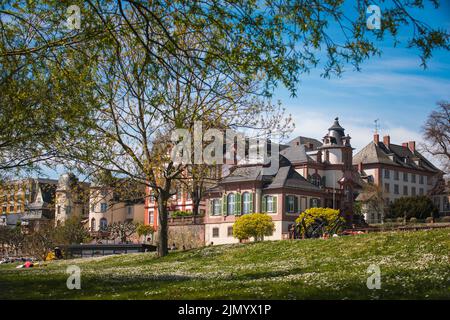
<point>319,157</point>
<point>405,144</point>
<point>387,141</point>
<point>376,138</point>
<point>412,146</point>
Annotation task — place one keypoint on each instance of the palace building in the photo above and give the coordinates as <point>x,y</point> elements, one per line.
<point>310,174</point>
<point>398,170</point>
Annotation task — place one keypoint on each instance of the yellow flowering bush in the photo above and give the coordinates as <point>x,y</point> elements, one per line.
<point>312,215</point>
<point>256,225</point>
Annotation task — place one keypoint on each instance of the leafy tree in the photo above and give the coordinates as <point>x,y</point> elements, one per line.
<point>144,103</point>
<point>256,225</point>
<point>45,85</point>
<point>71,232</point>
<point>144,230</point>
<point>419,207</point>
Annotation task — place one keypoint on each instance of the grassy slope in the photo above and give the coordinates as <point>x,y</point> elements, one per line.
<point>413,265</point>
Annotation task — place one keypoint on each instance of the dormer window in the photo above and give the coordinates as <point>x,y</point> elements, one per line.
<point>316,180</point>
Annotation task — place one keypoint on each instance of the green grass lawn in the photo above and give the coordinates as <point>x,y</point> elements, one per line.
<point>414,265</point>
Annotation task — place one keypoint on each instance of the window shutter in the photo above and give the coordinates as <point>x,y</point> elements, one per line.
<point>275,208</point>
<point>264,204</point>
<point>311,202</point>
<point>224,205</point>
<point>295,204</point>
<point>211,207</point>
<point>251,202</point>
<point>238,208</point>
<point>220,206</point>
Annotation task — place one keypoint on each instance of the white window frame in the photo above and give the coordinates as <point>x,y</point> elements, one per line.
<point>246,203</point>
<point>231,205</point>
<point>291,202</point>
<point>216,207</point>
<point>270,204</point>
<point>151,217</point>
<point>103,224</point>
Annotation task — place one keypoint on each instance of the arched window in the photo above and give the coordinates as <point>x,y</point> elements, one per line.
<point>231,202</point>
<point>93,224</point>
<point>246,202</point>
<point>103,224</point>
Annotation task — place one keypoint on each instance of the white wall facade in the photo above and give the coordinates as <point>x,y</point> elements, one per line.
<point>412,188</point>
<point>225,238</point>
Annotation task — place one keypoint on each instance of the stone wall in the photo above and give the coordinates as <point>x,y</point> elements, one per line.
<point>189,236</point>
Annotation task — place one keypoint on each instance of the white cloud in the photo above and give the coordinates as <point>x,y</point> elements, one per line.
<point>315,124</point>
<point>377,83</point>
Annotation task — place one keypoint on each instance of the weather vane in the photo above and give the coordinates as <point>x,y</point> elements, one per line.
<point>377,125</point>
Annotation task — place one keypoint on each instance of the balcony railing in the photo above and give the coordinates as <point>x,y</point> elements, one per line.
<point>186,220</point>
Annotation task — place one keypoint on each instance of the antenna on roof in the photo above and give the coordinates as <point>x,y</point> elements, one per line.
<point>377,125</point>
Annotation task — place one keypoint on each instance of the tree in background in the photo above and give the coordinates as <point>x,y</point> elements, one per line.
<point>12,239</point>
<point>122,230</point>
<point>437,134</point>
<point>254,225</point>
<point>143,230</point>
<point>419,207</point>
<point>370,200</point>
<point>72,231</point>
<point>40,241</point>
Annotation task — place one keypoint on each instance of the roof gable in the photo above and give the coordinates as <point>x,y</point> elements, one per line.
<point>395,155</point>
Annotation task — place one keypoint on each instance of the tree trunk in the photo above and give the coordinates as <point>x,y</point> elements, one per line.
<point>163,229</point>
<point>195,199</point>
<point>195,206</point>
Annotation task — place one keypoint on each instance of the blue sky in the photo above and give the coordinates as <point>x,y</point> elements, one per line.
<point>393,88</point>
